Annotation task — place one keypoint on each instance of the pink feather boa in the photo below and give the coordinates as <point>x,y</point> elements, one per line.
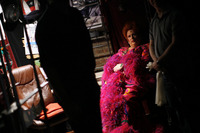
<point>118,88</point>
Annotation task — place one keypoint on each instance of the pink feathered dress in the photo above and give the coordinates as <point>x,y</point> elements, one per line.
<point>123,105</point>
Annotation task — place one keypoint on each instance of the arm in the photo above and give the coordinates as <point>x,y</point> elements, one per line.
<point>153,56</point>
<point>163,57</point>
<point>175,46</point>
<point>167,51</point>
<point>151,50</point>
<point>108,67</point>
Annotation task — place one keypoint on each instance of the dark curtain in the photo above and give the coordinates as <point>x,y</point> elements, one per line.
<point>117,12</point>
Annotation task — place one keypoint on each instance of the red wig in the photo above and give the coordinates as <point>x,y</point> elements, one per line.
<point>131,25</point>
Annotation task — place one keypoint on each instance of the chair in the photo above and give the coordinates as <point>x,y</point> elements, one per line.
<point>29,97</point>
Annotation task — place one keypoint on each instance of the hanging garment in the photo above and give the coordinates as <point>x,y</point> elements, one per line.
<point>31,28</point>
<point>29,6</point>
<point>8,48</point>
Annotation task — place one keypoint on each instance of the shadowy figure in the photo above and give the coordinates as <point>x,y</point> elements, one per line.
<point>66,55</point>
<point>169,54</point>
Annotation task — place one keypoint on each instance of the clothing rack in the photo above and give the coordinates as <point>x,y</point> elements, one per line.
<point>33,64</point>
<point>19,125</point>
<point>19,109</point>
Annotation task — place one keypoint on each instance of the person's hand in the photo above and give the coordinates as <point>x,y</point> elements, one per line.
<point>156,66</point>
<point>118,67</point>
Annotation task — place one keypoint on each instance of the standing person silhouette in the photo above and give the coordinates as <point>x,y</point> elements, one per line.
<point>66,55</point>
<point>167,49</point>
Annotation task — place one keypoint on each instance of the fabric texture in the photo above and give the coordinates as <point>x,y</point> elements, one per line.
<point>52,110</point>
<point>123,102</point>
<point>160,94</point>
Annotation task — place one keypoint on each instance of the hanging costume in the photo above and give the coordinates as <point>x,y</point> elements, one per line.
<point>8,48</point>
<point>29,6</point>
<point>123,101</point>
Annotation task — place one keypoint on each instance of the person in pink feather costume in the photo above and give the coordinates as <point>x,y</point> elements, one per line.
<point>126,85</point>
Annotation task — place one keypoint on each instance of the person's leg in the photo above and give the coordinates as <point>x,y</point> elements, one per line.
<point>171,109</point>
<point>176,117</point>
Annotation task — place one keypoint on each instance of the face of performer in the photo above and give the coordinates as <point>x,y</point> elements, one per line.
<point>132,38</point>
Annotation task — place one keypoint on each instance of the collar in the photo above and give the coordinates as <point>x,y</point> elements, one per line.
<point>166,12</point>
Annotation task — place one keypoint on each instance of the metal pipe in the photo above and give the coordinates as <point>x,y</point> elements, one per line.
<point>22,123</point>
